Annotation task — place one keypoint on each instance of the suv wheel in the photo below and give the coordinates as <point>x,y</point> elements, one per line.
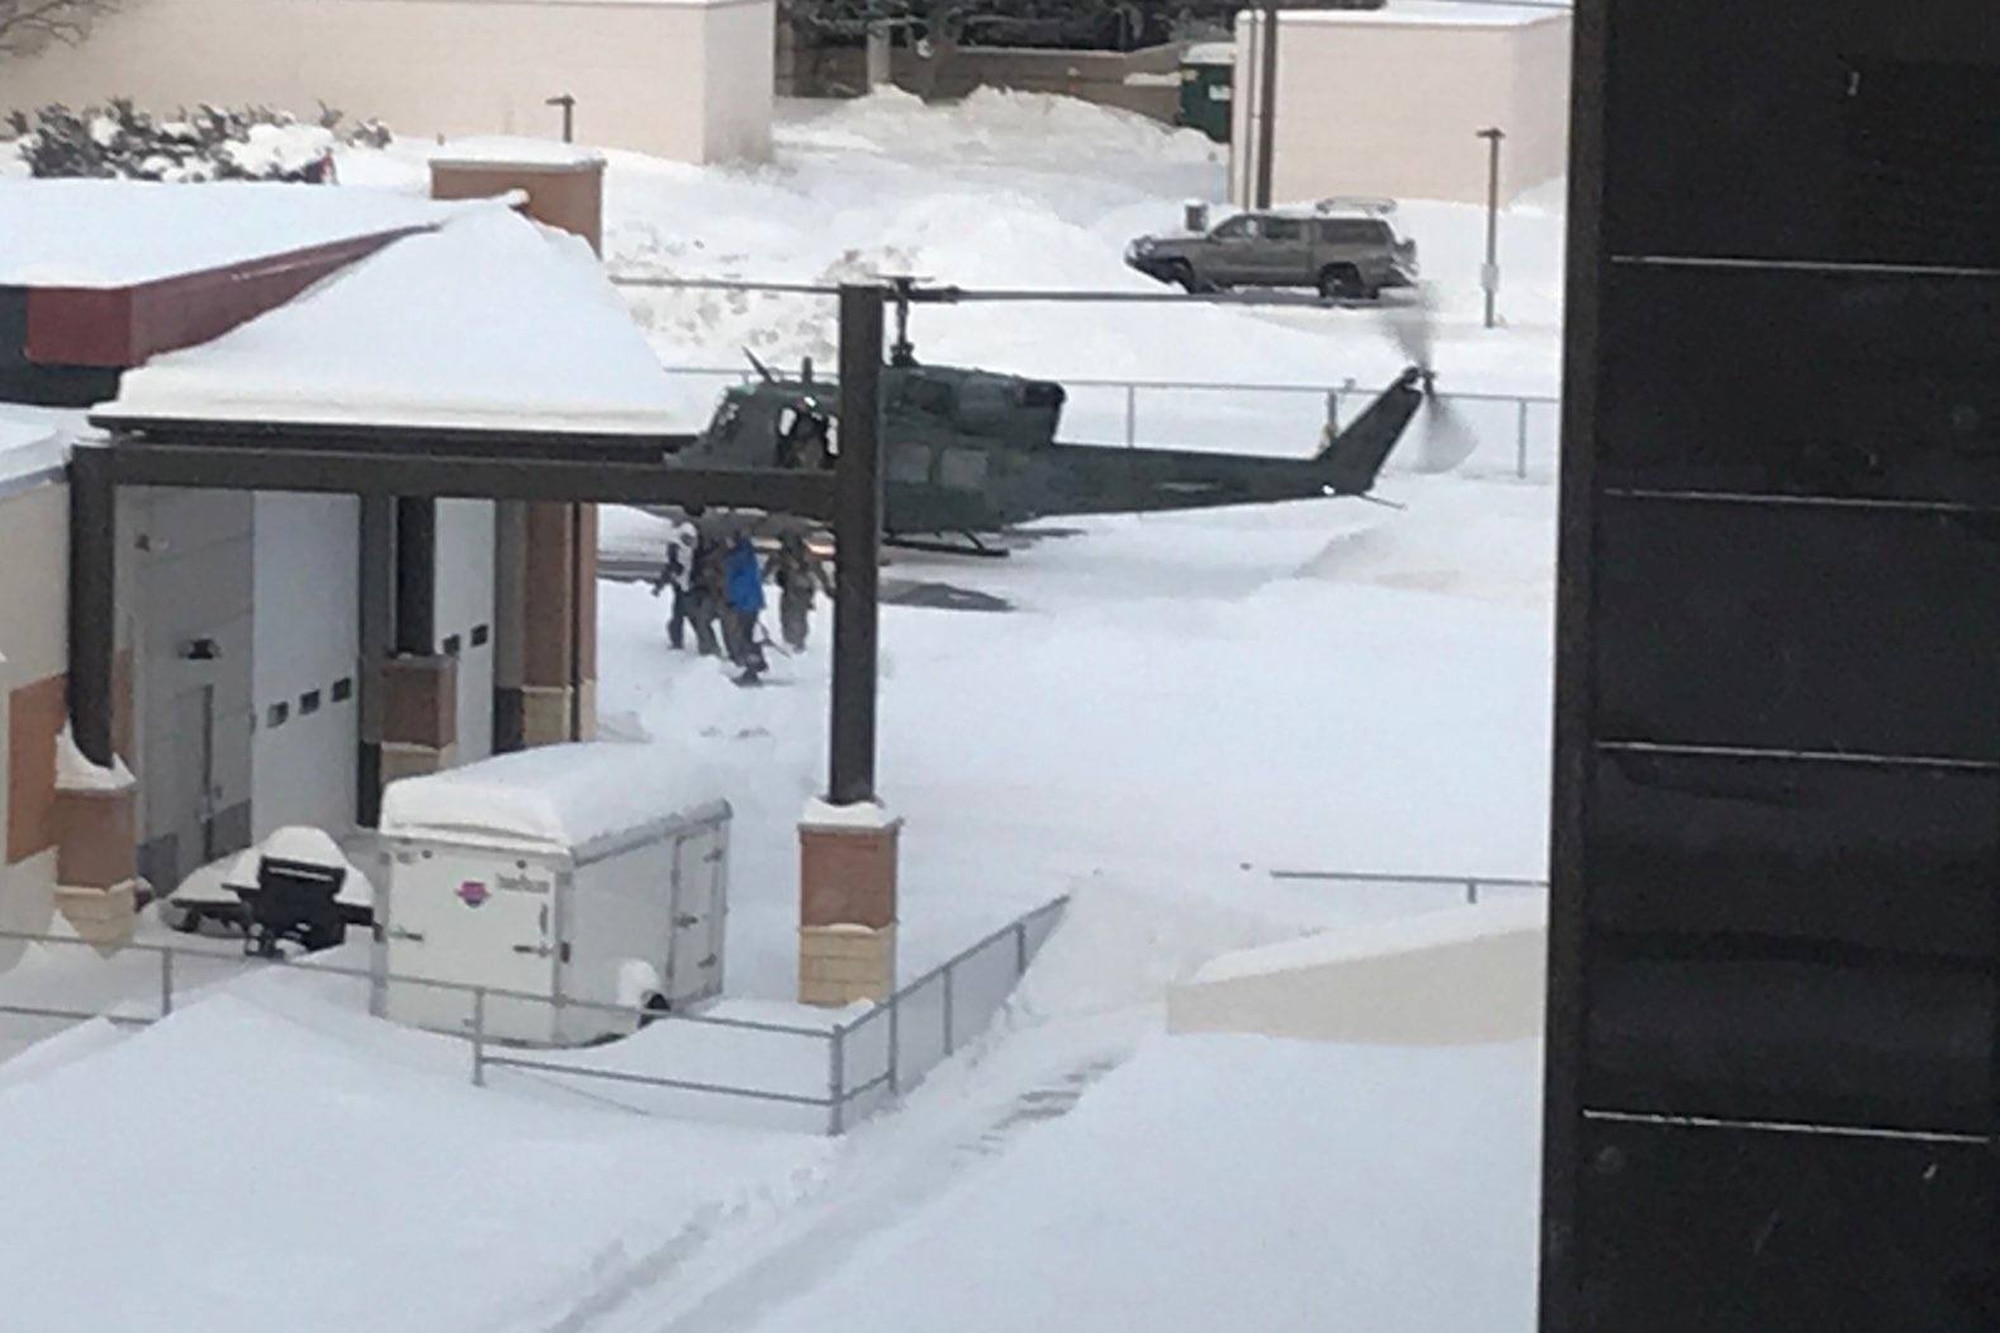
<point>1182,274</point>
<point>1342,282</point>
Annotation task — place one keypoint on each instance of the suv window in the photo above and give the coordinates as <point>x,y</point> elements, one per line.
<point>1284,229</point>
<point>1353,231</point>
<point>1236,229</point>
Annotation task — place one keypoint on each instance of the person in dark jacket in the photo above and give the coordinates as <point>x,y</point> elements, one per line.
<point>743,583</point>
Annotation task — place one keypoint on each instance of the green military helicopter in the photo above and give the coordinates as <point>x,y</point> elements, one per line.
<point>968,452</point>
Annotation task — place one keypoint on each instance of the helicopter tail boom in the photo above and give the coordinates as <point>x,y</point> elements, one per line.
<point>1353,459</point>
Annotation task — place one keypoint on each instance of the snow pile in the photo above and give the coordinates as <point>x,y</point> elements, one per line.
<point>115,233</point>
<point>383,1191</point>
<point>31,441</point>
<point>1232,1182</point>
<point>557,797</point>
<point>490,322</point>
<point>995,126</point>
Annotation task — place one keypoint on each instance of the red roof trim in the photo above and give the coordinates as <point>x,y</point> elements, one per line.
<point>118,328</point>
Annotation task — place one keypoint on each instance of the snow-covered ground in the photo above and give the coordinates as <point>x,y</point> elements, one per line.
<point>1175,706</point>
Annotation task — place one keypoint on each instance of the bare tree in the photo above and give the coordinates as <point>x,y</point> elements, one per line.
<point>26,26</point>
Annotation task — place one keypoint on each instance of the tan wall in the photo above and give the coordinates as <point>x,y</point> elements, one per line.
<point>1474,974</point>
<point>1379,108</point>
<point>428,67</point>
<point>738,82</point>
<point>34,635</point>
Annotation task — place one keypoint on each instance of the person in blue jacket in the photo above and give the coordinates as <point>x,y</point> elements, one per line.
<point>744,594</point>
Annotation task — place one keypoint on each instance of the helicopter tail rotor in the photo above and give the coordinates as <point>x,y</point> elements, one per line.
<point>1448,439</point>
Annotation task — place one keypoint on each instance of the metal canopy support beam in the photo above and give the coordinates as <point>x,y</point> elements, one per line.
<point>857,535</point>
<point>416,576</point>
<point>377,613</point>
<point>437,475</point>
<point>93,600</point>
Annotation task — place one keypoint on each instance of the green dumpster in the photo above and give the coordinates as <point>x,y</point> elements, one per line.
<point>1208,77</point>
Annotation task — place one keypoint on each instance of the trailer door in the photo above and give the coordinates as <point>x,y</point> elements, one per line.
<point>472,918</point>
<point>700,885</point>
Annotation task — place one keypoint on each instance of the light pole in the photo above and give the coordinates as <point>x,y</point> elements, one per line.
<point>1489,272</point>
<point>568,104</point>
<point>1267,103</point>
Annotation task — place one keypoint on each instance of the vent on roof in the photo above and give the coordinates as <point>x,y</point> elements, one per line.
<point>1923,163</point>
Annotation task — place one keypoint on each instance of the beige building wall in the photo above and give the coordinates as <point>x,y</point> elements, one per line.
<point>686,80</point>
<point>34,639</point>
<point>1369,105</point>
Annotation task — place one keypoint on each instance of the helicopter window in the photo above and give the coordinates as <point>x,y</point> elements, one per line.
<point>910,463</point>
<point>728,416</point>
<point>963,469</point>
<point>927,396</point>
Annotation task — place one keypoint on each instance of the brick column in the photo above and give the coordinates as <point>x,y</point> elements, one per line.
<point>545,592</point>
<point>419,715</point>
<point>847,903</point>
<point>97,839</point>
<point>548,623</point>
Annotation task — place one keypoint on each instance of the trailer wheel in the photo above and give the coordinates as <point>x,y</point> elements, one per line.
<point>653,1010</point>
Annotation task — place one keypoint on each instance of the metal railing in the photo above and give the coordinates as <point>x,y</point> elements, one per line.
<point>1471,884</point>
<point>1524,428</point>
<point>873,1058</point>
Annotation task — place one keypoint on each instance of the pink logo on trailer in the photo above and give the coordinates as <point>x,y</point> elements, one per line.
<point>472,893</point>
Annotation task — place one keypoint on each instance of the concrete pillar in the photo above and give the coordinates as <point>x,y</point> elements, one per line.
<point>545,587</point>
<point>847,903</point>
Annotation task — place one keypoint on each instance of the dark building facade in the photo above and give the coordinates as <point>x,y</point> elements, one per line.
<point>1775,926</point>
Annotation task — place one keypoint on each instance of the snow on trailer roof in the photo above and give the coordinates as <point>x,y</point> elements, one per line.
<point>558,796</point>
<point>118,233</point>
<point>490,322</point>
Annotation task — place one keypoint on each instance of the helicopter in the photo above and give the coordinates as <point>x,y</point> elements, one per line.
<point>969,451</point>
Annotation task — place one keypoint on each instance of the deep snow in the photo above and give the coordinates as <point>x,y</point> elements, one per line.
<point>1178,705</point>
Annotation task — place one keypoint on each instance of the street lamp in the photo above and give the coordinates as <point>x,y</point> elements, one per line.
<point>1489,272</point>
<point>568,105</point>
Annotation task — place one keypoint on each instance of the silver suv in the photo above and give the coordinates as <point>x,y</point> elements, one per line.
<point>1346,249</point>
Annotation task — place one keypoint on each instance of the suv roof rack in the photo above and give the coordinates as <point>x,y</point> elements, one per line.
<point>1354,204</point>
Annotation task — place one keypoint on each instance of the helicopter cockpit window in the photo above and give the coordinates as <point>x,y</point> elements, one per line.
<point>805,438</point>
<point>728,417</point>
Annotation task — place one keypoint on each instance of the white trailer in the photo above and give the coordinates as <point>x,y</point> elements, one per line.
<point>583,872</point>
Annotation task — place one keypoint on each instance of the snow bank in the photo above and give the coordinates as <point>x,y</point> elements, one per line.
<point>559,797</point>
<point>31,441</point>
<point>1451,977</point>
<point>1232,1183</point>
<point>115,233</point>
<point>382,1192</point>
<point>491,322</point>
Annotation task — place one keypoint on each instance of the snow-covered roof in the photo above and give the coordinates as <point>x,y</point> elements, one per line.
<point>513,150</point>
<point>1210,53</point>
<point>556,796</point>
<point>490,322</point>
<point>1425,930</point>
<point>32,441</point>
<point>117,233</point>
<point>1433,13</point>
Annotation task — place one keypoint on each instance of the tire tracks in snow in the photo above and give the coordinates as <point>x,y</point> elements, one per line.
<point>968,1113</point>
